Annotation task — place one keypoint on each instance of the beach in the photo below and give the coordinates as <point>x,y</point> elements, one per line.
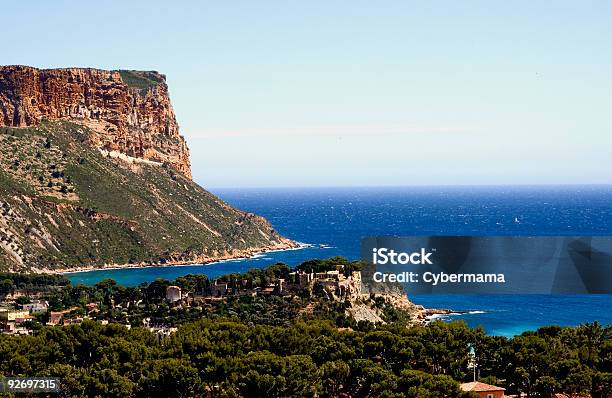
<point>203,260</point>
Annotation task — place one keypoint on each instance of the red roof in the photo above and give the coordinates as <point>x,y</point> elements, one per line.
<point>480,387</point>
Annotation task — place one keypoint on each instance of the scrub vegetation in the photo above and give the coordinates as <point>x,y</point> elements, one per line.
<point>64,204</point>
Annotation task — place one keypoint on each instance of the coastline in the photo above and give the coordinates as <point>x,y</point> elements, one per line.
<point>427,315</point>
<point>285,245</point>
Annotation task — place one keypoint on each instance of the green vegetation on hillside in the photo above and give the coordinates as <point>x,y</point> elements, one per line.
<point>330,264</point>
<point>139,79</point>
<point>65,204</point>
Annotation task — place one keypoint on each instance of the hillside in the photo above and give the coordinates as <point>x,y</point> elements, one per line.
<point>73,196</point>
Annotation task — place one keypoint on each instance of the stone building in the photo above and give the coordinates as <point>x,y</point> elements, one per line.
<point>218,289</point>
<point>335,283</point>
<point>173,293</point>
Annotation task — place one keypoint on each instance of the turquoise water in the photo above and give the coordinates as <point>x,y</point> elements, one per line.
<point>340,217</point>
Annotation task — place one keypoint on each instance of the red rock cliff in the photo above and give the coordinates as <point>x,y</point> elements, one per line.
<point>129,111</point>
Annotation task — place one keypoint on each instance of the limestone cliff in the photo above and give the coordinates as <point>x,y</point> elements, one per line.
<point>94,173</point>
<point>127,111</point>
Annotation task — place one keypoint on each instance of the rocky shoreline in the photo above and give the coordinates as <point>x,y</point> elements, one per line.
<point>426,315</point>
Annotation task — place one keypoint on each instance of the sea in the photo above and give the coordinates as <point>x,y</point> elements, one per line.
<point>332,221</point>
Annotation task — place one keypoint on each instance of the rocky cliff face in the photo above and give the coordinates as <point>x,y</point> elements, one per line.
<point>126,111</point>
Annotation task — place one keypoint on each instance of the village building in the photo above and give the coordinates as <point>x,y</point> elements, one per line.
<point>56,317</point>
<point>7,315</point>
<point>484,390</point>
<point>335,284</point>
<point>219,289</point>
<point>266,291</point>
<point>36,307</point>
<point>280,286</point>
<point>11,321</point>
<point>173,293</point>
<point>19,327</point>
<point>70,321</point>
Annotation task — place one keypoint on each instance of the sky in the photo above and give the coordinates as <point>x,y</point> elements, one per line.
<point>356,93</point>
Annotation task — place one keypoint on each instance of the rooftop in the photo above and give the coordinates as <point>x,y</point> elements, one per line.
<point>477,386</point>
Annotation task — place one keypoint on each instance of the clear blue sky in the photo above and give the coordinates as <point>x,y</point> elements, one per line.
<point>320,93</point>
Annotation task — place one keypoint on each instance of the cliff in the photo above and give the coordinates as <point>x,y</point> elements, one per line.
<point>94,173</point>
<point>126,111</point>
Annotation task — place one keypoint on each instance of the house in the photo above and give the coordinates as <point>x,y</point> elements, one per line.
<point>55,317</point>
<point>71,321</point>
<point>219,289</point>
<point>163,331</point>
<point>11,321</point>
<point>483,390</point>
<point>36,307</point>
<point>19,321</point>
<point>266,291</point>
<point>7,315</point>
<point>173,293</point>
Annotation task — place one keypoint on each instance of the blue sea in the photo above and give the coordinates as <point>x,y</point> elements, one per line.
<point>338,218</point>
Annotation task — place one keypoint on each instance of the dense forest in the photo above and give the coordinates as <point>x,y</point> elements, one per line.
<point>229,358</point>
<point>273,347</point>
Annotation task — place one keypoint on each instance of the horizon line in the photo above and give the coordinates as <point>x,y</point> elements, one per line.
<point>411,186</point>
